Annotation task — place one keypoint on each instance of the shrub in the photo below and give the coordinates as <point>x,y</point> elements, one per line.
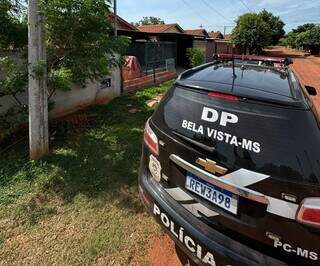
<point>79,46</point>
<point>196,56</point>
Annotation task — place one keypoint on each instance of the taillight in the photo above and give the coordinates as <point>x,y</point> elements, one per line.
<point>224,96</point>
<point>151,139</point>
<point>309,212</point>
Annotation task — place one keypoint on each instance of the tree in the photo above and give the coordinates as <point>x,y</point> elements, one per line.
<point>79,41</point>
<point>13,30</point>
<point>306,37</point>
<point>14,80</point>
<point>149,21</point>
<point>291,39</point>
<point>309,40</point>
<point>251,33</point>
<point>275,24</point>
<point>13,65</point>
<point>80,46</point>
<point>303,28</point>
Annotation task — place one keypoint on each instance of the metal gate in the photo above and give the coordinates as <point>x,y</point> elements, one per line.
<point>153,55</point>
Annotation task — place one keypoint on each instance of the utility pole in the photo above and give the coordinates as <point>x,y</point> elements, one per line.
<point>37,92</point>
<point>225,29</point>
<point>115,18</point>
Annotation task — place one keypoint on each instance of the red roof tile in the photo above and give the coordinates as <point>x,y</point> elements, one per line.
<point>215,35</point>
<point>197,32</point>
<point>159,28</point>
<point>123,24</point>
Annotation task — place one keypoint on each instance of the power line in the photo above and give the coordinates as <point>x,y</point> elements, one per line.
<point>216,11</point>
<point>199,14</point>
<point>245,5</point>
<point>303,21</point>
<point>211,25</point>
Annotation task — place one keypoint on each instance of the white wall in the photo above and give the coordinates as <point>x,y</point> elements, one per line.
<point>76,99</point>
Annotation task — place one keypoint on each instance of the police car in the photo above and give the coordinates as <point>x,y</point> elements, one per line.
<point>231,164</point>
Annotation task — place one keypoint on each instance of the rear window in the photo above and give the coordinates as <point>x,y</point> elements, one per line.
<point>260,78</point>
<point>263,83</point>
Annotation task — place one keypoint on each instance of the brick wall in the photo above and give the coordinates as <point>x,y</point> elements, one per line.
<point>139,83</point>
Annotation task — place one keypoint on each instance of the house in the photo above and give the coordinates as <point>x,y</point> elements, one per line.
<point>155,43</point>
<point>215,35</point>
<point>199,38</point>
<point>161,28</point>
<point>198,33</point>
<point>124,26</point>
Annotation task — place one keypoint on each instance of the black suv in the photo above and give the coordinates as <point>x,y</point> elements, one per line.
<point>230,164</point>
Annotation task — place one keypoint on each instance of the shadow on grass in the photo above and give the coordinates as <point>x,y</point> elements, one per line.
<point>99,163</point>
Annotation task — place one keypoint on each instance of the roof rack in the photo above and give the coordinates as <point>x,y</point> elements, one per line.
<point>279,60</point>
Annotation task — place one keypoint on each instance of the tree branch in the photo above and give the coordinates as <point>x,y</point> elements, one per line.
<point>17,100</point>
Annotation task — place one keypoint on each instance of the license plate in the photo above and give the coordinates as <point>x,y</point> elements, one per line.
<point>218,196</point>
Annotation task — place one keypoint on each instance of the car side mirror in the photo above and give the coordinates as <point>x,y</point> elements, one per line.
<point>311,90</point>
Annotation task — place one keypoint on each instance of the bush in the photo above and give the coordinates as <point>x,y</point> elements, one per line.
<point>11,120</point>
<point>13,81</point>
<point>80,47</point>
<point>196,56</point>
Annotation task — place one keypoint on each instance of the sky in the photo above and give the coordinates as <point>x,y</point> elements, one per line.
<point>214,15</point>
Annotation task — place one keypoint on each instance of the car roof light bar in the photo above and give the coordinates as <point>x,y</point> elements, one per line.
<point>279,60</point>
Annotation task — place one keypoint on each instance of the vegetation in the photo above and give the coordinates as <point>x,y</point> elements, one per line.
<point>306,37</point>
<point>255,31</point>
<point>13,30</point>
<point>275,24</point>
<point>14,80</point>
<point>79,46</point>
<point>149,21</point>
<point>78,34</point>
<point>196,56</point>
<point>80,205</point>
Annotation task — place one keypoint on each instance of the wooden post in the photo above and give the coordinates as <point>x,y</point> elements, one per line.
<point>37,92</point>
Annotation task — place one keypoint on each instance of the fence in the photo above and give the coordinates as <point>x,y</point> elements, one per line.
<point>220,47</point>
<point>153,56</point>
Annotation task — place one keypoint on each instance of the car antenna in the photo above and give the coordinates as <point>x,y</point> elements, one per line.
<point>233,68</point>
<point>234,76</point>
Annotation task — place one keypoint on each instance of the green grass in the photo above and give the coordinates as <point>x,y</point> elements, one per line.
<point>80,205</point>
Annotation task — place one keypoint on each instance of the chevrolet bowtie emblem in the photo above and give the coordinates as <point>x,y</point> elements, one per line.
<point>211,166</point>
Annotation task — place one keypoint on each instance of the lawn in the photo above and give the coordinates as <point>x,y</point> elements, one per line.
<point>80,205</point>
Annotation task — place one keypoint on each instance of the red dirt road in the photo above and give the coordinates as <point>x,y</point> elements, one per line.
<point>306,67</point>
<point>162,249</point>
<point>162,252</point>
<point>308,70</point>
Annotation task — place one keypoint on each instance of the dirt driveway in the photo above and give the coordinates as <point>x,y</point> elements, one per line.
<point>306,67</point>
